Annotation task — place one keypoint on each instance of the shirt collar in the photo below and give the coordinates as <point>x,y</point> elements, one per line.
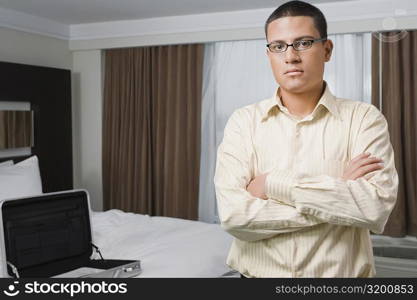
<point>327,100</point>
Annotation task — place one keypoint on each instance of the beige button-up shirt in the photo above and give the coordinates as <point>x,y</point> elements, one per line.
<point>313,224</point>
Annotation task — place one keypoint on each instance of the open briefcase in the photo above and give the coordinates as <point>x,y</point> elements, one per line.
<point>50,235</point>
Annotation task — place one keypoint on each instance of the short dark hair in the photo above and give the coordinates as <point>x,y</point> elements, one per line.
<point>299,8</point>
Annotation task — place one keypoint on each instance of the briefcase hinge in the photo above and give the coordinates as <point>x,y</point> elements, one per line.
<point>97,250</point>
<point>14,269</point>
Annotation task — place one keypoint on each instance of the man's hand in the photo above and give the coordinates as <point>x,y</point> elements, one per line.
<point>357,167</point>
<point>257,187</point>
<point>361,165</point>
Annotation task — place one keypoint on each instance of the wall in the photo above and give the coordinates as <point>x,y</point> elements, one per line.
<point>87,119</point>
<point>34,49</point>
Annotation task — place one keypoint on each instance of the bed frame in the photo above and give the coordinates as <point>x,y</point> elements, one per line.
<point>48,90</point>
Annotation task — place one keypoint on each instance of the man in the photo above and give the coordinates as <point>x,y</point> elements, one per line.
<point>303,177</point>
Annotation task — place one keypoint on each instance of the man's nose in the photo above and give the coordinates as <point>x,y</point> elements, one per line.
<point>292,56</point>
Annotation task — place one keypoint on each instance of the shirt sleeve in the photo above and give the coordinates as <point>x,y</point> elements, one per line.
<point>242,215</point>
<point>365,202</point>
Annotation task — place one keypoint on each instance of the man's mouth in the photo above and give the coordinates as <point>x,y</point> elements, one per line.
<point>294,72</point>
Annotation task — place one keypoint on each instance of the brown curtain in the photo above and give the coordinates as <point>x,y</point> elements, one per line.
<point>15,129</point>
<point>151,130</point>
<point>394,92</point>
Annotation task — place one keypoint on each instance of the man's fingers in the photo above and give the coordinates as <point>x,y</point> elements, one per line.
<point>363,160</point>
<point>366,169</point>
<point>370,160</point>
<point>359,157</point>
<point>362,165</point>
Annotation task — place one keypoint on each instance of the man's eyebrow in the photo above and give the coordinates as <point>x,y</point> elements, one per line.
<point>298,38</point>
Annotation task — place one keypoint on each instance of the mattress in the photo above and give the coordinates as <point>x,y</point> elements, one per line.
<point>166,247</point>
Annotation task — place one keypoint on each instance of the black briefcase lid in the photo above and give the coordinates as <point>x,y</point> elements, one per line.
<point>45,235</point>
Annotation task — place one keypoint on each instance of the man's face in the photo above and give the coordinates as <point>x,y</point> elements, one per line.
<point>310,62</point>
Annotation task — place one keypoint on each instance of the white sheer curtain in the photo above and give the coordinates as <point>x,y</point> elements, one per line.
<point>348,72</point>
<point>235,74</point>
<point>238,73</point>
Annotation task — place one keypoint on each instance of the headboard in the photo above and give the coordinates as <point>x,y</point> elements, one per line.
<point>49,92</point>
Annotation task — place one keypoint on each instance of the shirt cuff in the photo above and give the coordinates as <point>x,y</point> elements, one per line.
<point>279,185</point>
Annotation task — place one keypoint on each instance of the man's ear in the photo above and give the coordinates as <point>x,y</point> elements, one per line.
<point>268,53</point>
<point>328,48</point>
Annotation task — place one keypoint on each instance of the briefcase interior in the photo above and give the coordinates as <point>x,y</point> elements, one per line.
<point>50,234</point>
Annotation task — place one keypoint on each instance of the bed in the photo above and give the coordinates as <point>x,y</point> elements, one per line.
<point>167,247</point>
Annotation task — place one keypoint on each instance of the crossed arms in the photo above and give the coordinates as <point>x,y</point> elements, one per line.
<point>294,203</point>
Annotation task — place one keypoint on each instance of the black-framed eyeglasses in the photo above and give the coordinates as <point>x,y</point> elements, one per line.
<point>299,45</point>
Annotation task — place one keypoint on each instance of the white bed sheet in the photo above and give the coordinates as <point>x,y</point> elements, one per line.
<point>166,247</point>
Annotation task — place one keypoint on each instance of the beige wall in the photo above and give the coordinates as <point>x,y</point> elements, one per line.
<point>33,49</point>
<point>87,119</point>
